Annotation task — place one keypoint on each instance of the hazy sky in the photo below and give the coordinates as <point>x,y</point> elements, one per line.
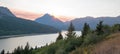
<point>75,8</point>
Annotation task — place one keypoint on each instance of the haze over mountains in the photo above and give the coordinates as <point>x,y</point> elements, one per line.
<point>46,23</point>
<point>79,22</point>
<point>47,19</point>
<point>11,25</point>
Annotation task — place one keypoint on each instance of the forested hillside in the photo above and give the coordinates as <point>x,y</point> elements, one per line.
<point>11,25</point>
<point>85,44</point>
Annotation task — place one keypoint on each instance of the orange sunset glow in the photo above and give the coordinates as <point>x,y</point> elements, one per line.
<point>25,14</point>
<point>32,16</point>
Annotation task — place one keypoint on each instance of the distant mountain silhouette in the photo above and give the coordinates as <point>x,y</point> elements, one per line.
<point>11,25</point>
<point>79,22</point>
<point>5,12</point>
<point>47,19</point>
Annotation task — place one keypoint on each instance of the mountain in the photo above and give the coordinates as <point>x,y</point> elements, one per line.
<point>5,11</point>
<point>47,19</point>
<point>11,25</point>
<point>79,22</point>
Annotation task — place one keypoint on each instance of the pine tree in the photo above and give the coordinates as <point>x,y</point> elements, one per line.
<point>71,30</point>
<point>86,29</point>
<point>59,36</point>
<point>99,28</point>
<point>3,51</point>
<point>17,50</point>
<point>27,48</point>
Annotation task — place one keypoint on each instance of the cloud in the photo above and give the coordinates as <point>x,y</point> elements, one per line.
<point>32,16</point>
<point>25,14</point>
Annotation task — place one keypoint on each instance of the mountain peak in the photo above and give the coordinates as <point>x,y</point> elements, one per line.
<point>47,16</point>
<point>50,20</point>
<point>5,11</point>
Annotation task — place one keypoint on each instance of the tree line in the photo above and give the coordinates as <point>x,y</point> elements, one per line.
<point>66,45</point>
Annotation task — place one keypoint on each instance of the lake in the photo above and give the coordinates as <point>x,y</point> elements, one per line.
<point>9,44</point>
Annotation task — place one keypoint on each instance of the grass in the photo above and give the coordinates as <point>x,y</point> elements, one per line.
<point>110,45</point>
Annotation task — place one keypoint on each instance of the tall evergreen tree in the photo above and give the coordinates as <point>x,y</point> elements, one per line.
<point>71,30</point>
<point>17,50</point>
<point>27,48</point>
<point>99,28</point>
<point>3,51</point>
<point>59,36</point>
<point>86,29</point>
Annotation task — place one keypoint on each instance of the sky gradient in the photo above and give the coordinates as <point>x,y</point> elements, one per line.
<point>72,8</point>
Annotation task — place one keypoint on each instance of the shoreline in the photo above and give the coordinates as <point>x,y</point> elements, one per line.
<point>21,35</point>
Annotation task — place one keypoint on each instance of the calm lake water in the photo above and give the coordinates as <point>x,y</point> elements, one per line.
<point>10,44</point>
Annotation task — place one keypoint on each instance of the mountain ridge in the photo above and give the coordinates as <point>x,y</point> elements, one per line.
<point>79,22</point>
<point>10,25</point>
<point>47,19</point>
<point>5,11</point>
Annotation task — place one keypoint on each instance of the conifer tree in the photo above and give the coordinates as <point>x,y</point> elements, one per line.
<point>86,29</point>
<point>71,30</point>
<point>59,36</point>
<point>99,28</point>
<point>27,48</point>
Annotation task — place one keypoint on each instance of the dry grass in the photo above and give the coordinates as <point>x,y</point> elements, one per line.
<point>109,46</point>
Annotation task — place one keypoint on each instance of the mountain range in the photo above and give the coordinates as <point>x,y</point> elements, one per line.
<point>11,25</point>
<point>78,23</point>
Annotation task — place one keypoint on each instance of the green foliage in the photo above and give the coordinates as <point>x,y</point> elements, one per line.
<point>20,50</point>
<point>116,28</point>
<point>102,31</point>
<point>99,28</point>
<point>107,28</point>
<point>86,30</point>
<point>60,37</point>
<point>61,47</point>
<point>71,30</point>
<point>79,44</point>
<point>27,49</point>
<point>92,39</point>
